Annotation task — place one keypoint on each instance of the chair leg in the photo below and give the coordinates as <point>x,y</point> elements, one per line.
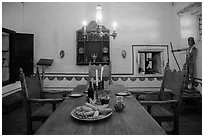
<point>29,127</point>
<point>149,109</point>
<point>43,121</point>
<point>176,127</point>
<point>53,107</point>
<point>137,97</point>
<point>176,123</point>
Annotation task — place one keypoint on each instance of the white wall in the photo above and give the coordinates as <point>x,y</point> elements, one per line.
<point>188,23</point>
<point>188,27</point>
<point>55,24</point>
<point>12,16</point>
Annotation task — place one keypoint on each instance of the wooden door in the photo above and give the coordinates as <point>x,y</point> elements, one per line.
<point>24,53</point>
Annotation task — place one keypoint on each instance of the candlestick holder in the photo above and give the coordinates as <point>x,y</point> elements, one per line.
<point>114,34</point>
<point>98,30</point>
<point>96,96</point>
<point>101,84</point>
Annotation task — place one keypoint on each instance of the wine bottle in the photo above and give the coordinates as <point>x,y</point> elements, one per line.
<point>91,90</point>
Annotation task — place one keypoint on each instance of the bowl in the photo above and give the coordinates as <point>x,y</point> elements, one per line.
<point>104,100</point>
<point>119,106</point>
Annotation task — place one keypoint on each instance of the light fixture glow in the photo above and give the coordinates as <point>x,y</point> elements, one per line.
<point>84,25</point>
<point>99,15</point>
<point>114,26</point>
<point>98,30</point>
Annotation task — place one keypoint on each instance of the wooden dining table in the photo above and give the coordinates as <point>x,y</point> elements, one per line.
<point>133,120</point>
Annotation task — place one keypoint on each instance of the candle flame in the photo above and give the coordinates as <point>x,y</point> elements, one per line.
<point>84,23</point>
<point>114,26</point>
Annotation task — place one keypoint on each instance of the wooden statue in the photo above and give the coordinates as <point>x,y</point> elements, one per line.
<point>189,65</point>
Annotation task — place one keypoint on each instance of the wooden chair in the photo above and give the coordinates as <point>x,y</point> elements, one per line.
<point>167,109</point>
<point>50,93</point>
<point>32,90</point>
<point>106,72</point>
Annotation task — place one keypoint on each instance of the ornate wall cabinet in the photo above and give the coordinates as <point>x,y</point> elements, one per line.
<point>92,45</point>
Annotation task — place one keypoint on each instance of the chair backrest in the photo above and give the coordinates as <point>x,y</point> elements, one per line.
<point>106,71</point>
<point>173,81</point>
<point>31,85</point>
<point>41,78</point>
<point>92,70</point>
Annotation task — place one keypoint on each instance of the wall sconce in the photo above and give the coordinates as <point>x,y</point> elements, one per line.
<point>62,53</point>
<point>99,25</point>
<point>124,54</point>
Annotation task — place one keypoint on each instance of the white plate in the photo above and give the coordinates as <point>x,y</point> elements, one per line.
<point>89,119</point>
<point>85,92</point>
<point>75,95</point>
<point>122,94</point>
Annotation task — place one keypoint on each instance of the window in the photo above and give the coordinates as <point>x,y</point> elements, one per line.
<point>149,62</point>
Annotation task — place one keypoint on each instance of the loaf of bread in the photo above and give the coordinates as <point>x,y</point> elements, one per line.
<point>86,109</point>
<point>105,111</point>
<point>91,106</point>
<point>89,113</point>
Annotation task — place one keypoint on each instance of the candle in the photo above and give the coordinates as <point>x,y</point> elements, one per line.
<point>96,77</point>
<point>114,26</point>
<point>84,24</point>
<point>101,73</point>
<point>98,15</point>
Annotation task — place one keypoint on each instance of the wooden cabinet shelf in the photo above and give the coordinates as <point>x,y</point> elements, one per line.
<point>92,44</point>
<point>5,51</point>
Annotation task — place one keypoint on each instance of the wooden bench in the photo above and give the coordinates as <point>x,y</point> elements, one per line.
<point>11,102</point>
<point>11,97</point>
